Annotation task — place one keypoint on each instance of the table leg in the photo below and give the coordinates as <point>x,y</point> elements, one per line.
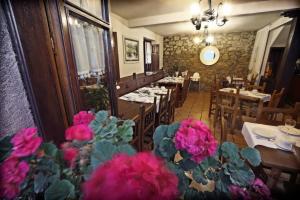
<point>274,177</point>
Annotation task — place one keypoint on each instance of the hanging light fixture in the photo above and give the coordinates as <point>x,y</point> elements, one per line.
<point>208,39</point>
<point>209,15</point>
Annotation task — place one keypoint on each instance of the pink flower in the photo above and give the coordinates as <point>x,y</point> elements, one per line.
<point>70,155</point>
<point>13,173</point>
<point>142,176</point>
<point>25,142</point>
<point>237,192</point>
<point>261,189</point>
<point>81,132</point>
<point>196,138</point>
<point>83,117</point>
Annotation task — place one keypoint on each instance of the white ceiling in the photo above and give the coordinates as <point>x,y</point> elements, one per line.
<point>168,17</point>
<point>235,24</point>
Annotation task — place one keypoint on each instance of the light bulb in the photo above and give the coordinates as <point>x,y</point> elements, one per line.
<point>226,9</point>
<point>209,39</point>
<point>195,9</point>
<point>197,40</point>
<point>70,20</point>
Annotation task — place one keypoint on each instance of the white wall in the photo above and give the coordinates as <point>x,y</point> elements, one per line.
<point>265,37</point>
<point>120,25</point>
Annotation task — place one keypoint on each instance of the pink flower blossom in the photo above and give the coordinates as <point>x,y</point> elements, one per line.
<point>25,142</point>
<point>13,173</point>
<point>261,189</point>
<point>237,192</point>
<point>196,138</point>
<point>70,155</point>
<point>142,176</point>
<point>83,117</point>
<point>81,132</point>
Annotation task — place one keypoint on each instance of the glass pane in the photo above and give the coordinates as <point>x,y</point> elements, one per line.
<point>88,47</point>
<point>92,6</point>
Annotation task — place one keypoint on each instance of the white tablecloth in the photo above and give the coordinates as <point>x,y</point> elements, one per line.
<point>179,80</point>
<point>263,96</point>
<point>141,98</point>
<point>253,140</point>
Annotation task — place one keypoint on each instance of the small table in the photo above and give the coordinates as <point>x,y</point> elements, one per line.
<point>272,156</point>
<point>262,96</point>
<point>172,80</point>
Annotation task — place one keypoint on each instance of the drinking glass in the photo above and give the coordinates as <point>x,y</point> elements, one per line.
<point>290,122</point>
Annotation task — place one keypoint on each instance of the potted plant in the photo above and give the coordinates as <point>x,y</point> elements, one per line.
<point>205,169</point>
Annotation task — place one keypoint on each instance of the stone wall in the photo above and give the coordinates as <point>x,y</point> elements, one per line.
<point>235,52</point>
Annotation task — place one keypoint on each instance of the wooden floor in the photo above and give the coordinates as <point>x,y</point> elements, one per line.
<point>196,106</point>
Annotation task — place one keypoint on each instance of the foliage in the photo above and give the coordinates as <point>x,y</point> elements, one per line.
<point>96,98</point>
<point>57,173</point>
<point>228,167</point>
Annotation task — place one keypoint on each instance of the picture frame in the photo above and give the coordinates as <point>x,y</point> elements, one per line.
<point>131,50</point>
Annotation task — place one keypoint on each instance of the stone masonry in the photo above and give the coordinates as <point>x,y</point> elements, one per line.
<point>235,52</point>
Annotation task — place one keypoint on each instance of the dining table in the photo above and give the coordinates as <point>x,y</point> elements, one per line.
<point>273,155</point>
<point>172,80</point>
<point>254,94</point>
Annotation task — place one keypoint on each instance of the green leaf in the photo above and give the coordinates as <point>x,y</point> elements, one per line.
<point>212,175</point>
<point>172,129</point>
<point>5,147</point>
<point>183,180</point>
<point>98,122</point>
<point>102,152</point>
<point>251,155</point>
<point>50,149</point>
<point>210,162</point>
<point>198,176</point>
<point>229,150</point>
<point>125,133</point>
<point>40,182</point>
<point>223,182</point>
<point>184,154</point>
<point>126,148</point>
<point>187,164</point>
<point>241,176</point>
<point>159,134</point>
<point>60,190</point>
<point>167,148</point>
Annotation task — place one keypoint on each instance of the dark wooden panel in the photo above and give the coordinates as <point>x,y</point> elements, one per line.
<point>31,20</point>
<point>116,56</point>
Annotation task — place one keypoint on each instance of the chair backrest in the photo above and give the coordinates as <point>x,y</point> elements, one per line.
<point>171,106</point>
<point>275,98</point>
<point>196,75</point>
<point>137,134</point>
<point>256,87</point>
<point>163,105</point>
<point>277,116</point>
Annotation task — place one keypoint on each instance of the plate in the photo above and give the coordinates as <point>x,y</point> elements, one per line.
<point>289,130</point>
<point>264,132</point>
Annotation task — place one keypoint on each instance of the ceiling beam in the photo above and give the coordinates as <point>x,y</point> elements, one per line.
<point>237,10</point>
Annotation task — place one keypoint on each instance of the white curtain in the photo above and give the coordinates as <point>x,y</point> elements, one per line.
<point>148,53</point>
<point>88,48</point>
<point>92,6</point>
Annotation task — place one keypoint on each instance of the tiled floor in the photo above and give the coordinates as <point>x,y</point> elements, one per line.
<point>197,106</point>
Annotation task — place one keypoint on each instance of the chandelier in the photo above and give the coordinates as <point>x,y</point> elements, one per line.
<point>207,39</point>
<point>210,14</point>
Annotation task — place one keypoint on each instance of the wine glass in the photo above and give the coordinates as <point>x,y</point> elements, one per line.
<point>290,123</point>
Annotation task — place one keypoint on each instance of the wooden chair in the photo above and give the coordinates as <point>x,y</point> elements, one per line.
<point>275,98</point>
<point>137,135</point>
<point>228,121</point>
<point>171,106</point>
<point>148,126</point>
<point>162,115</point>
<point>256,87</point>
<point>277,116</point>
<point>213,95</point>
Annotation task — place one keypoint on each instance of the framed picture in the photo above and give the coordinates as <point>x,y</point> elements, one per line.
<point>131,50</point>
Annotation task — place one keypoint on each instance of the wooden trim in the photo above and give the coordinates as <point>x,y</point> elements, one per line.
<point>25,75</point>
<point>87,14</point>
<point>116,56</point>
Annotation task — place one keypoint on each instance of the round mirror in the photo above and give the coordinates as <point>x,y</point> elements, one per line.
<point>209,55</point>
